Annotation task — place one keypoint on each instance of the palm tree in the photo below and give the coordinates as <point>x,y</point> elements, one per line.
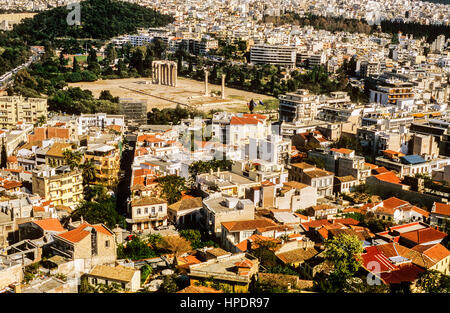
<point>89,172</point>
<point>73,158</point>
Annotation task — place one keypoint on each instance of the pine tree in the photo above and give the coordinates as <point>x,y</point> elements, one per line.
<point>75,66</point>
<point>4,157</point>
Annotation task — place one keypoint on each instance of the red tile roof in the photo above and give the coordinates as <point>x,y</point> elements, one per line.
<point>342,150</point>
<point>314,224</point>
<point>441,208</point>
<point>424,235</point>
<point>393,202</point>
<point>49,224</point>
<point>435,252</point>
<point>248,224</point>
<point>405,273</point>
<point>389,177</point>
<point>380,170</point>
<point>80,233</point>
<point>346,221</point>
<point>244,121</point>
<point>244,263</point>
<point>372,254</point>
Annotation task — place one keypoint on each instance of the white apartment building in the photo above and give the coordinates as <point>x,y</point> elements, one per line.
<point>277,55</point>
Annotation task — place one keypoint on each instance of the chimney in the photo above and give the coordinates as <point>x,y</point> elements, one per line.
<point>82,221</point>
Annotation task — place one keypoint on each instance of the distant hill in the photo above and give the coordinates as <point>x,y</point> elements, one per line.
<point>100,19</point>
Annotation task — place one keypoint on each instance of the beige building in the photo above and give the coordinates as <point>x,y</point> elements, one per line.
<point>425,146</point>
<point>147,213</point>
<point>218,209</point>
<point>310,175</point>
<point>61,185</point>
<point>17,108</point>
<point>296,196</point>
<point>106,159</point>
<point>127,277</point>
<point>95,244</point>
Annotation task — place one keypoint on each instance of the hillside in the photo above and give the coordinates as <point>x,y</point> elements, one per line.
<point>100,19</point>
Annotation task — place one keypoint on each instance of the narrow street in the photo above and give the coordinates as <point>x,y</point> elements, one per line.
<point>123,188</point>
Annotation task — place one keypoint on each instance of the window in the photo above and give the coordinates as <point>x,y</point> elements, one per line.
<point>138,211</point>
<point>160,208</point>
<point>153,210</point>
<point>107,243</point>
<point>146,210</point>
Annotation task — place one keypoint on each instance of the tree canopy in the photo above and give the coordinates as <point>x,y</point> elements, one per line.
<point>100,19</point>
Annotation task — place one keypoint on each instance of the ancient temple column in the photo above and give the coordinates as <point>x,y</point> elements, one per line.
<point>206,83</point>
<point>175,71</point>
<point>223,86</point>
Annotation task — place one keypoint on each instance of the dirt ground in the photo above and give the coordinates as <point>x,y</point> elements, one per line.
<point>187,93</point>
<point>15,17</point>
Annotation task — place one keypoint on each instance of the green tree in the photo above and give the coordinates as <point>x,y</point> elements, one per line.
<point>169,285</point>
<point>99,212</point>
<point>111,54</point>
<point>4,157</point>
<point>137,249</point>
<point>432,281</point>
<point>344,253</point>
<point>85,287</point>
<point>172,186</point>
<point>41,120</point>
<point>75,66</point>
<point>89,172</point>
<point>72,158</point>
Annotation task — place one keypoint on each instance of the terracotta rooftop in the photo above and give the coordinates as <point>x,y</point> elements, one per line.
<point>50,224</point>
<point>81,232</point>
<point>244,121</point>
<point>147,201</point>
<point>342,150</point>
<point>393,203</point>
<point>435,252</point>
<point>187,204</point>
<point>118,273</point>
<point>248,224</point>
<point>389,177</point>
<point>297,255</point>
<point>441,208</point>
<point>424,235</point>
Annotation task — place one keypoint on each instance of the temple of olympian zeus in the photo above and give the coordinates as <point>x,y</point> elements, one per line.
<point>164,73</point>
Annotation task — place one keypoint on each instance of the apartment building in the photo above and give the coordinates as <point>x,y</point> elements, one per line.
<point>271,54</point>
<point>134,111</point>
<point>147,213</point>
<point>312,176</point>
<point>298,106</point>
<point>404,165</point>
<point>218,209</point>
<point>106,159</point>
<point>61,185</point>
<point>310,60</point>
<point>390,94</point>
<point>14,109</point>
<point>424,145</point>
<point>343,162</point>
<point>367,68</point>
<point>98,120</point>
